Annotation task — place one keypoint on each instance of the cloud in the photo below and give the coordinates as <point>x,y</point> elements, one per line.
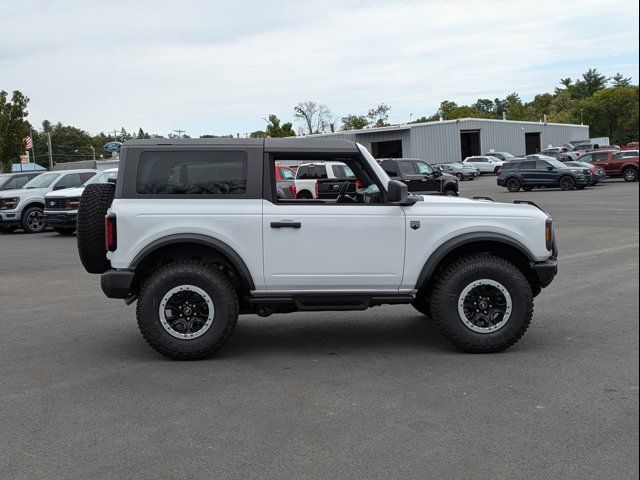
<point>219,67</point>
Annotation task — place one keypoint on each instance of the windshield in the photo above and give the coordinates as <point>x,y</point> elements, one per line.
<point>507,155</point>
<point>382,175</point>
<point>101,178</point>
<point>42,181</point>
<point>458,165</point>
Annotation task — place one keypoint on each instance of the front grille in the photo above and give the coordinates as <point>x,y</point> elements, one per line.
<point>56,204</point>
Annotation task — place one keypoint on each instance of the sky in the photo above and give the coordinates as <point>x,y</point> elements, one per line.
<point>221,67</point>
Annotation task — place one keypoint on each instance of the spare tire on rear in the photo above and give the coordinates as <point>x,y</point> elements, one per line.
<point>94,203</point>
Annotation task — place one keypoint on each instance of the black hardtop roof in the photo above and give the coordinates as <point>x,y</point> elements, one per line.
<point>280,145</point>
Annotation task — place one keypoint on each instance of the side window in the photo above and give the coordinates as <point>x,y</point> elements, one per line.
<point>527,165</point>
<point>390,167</point>
<point>302,173</point>
<point>16,182</point>
<point>599,157</point>
<point>192,173</point>
<point>286,174</point>
<point>586,158</point>
<point>424,169</point>
<point>542,165</point>
<point>321,172</point>
<point>86,176</point>
<point>69,181</point>
<point>408,168</point>
<point>479,160</point>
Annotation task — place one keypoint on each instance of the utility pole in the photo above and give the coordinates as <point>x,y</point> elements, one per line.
<point>581,119</point>
<point>180,132</point>
<point>115,135</point>
<point>93,152</point>
<point>49,150</point>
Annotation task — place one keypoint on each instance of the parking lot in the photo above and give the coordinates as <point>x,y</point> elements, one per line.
<point>372,394</point>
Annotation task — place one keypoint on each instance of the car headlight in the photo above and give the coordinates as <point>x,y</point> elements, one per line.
<point>9,203</point>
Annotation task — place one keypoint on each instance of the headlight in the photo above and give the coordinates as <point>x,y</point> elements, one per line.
<point>9,203</point>
<point>73,203</point>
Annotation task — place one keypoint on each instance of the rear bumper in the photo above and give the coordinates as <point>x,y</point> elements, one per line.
<point>116,283</point>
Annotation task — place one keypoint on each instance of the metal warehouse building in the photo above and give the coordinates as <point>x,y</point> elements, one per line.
<point>454,140</point>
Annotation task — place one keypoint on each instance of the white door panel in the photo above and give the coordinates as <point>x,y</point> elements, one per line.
<point>337,247</point>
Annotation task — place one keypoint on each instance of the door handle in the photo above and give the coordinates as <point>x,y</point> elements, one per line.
<point>286,225</point>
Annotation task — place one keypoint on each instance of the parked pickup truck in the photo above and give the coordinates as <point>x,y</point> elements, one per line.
<point>614,163</point>
<point>308,175</point>
<point>195,233</point>
<point>420,177</point>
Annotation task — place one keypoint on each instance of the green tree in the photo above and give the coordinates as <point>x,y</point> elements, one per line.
<point>613,112</point>
<point>620,80</point>
<point>354,122</point>
<point>275,130</point>
<point>379,116</point>
<point>591,82</point>
<point>13,128</point>
<point>485,107</point>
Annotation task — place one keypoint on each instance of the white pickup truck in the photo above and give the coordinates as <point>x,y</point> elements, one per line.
<point>308,174</point>
<point>196,234</point>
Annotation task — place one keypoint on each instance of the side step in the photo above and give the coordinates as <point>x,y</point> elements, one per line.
<point>335,302</point>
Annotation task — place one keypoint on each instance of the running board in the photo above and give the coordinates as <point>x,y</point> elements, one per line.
<point>331,302</point>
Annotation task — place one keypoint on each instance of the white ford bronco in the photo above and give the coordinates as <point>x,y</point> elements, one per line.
<point>194,232</point>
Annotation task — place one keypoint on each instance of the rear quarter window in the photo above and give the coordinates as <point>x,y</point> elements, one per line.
<point>192,173</point>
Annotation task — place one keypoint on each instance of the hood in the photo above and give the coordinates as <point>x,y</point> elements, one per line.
<point>66,193</point>
<point>460,206</point>
<point>24,192</point>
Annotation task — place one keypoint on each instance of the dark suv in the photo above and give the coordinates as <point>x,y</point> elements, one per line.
<point>420,177</point>
<point>542,172</point>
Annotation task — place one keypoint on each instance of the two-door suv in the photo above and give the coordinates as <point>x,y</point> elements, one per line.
<point>195,232</point>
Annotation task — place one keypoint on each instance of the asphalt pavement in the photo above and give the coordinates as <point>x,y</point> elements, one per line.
<point>350,395</point>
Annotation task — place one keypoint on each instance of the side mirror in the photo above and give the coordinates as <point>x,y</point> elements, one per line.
<point>58,187</point>
<point>549,168</point>
<point>437,172</point>
<point>397,192</point>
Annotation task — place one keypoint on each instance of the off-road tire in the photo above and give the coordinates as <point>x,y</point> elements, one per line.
<point>30,227</point>
<point>94,203</point>
<point>513,185</point>
<point>630,174</point>
<point>567,182</point>
<point>209,279</point>
<point>65,230</point>
<point>448,287</point>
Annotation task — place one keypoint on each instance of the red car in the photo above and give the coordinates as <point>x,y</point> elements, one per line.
<point>630,146</point>
<point>614,163</point>
<point>285,177</point>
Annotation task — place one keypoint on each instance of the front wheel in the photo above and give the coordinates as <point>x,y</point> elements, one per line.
<point>449,192</point>
<point>33,220</point>
<point>482,303</point>
<point>513,185</point>
<point>630,174</point>
<point>187,310</point>
<point>567,183</point>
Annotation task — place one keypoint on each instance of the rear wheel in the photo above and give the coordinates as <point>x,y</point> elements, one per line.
<point>630,174</point>
<point>567,183</point>
<point>482,303</point>
<point>186,310</point>
<point>94,203</point>
<point>304,194</point>
<point>496,170</point>
<point>33,220</point>
<point>513,185</point>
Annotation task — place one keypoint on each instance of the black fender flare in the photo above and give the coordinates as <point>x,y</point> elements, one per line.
<point>447,247</point>
<point>199,239</point>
